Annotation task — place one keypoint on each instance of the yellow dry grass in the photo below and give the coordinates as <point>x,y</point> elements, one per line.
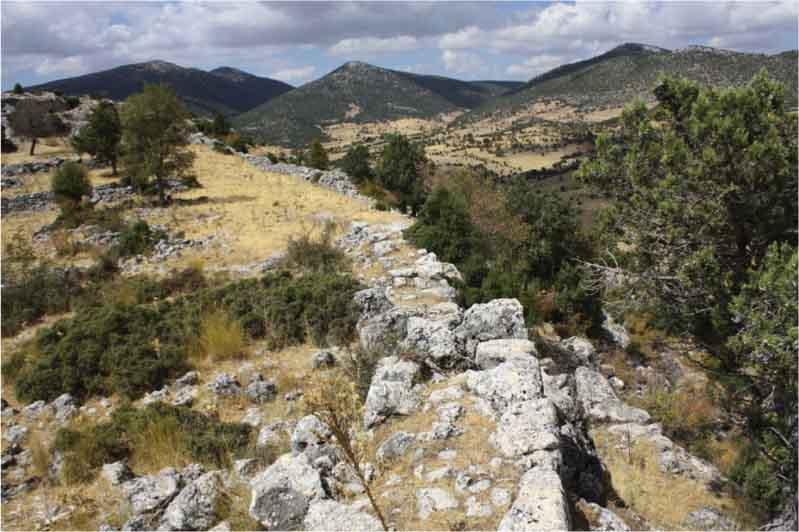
<point>662,499</point>
<point>46,147</point>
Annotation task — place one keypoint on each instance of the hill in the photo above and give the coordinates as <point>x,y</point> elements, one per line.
<point>630,70</point>
<point>224,89</point>
<point>360,92</point>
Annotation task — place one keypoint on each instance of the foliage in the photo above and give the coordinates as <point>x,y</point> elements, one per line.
<point>18,89</point>
<point>356,163</point>
<point>111,349</point>
<point>237,142</point>
<point>155,136</point>
<point>70,183</point>
<point>101,137</point>
<point>220,126</point>
<point>401,170</point>
<point>30,120</point>
<point>700,194</point>
<point>198,437</point>
<point>136,238</point>
<point>444,226</point>
<point>317,155</point>
<point>316,253</point>
<point>221,336</point>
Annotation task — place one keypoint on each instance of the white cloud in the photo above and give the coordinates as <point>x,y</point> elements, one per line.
<point>470,37</point>
<point>295,75</point>
<point>67,66</point>
<point>462,62</point>
<point>535,65</point>
<point>372,45</point>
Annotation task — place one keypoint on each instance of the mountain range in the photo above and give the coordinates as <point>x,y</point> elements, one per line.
<point>275,112</point>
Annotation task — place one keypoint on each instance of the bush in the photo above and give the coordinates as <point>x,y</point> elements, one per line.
<point>400,170</point>
<point>70,183</point>
<point>316,254</point>
<point>317,156</point>
<point>18,89</point>
<point>181,432</point>
<point>356,163</point>
<point>137,238</point>
<point>221,336</point>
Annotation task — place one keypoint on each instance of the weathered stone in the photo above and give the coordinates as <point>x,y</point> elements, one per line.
<point>246,467</point>
<point>515,380</point>
<point>449,412</point>
<point>492,353</point>
<point>261,390</point>
<point>279,508</point>
<point>600,518</point>
<point>451,393</point>
<point>500,497</point>
<point>116,473</point>
<point>323,359</point>
<point>334,516</point>
<point>395,446</point>
<point>392,391</point>
<point>431,338</point>
<point>225,384</point>
<point>195,506</point>
<point>272,434</point>
<point>15,434</point>
<point>189,379</point>
<point>430,500</point>
<point>526,427</point>
<point>500,318</point>
<point>152,491</point>
<point>185,395</point>
<point>581,348</point>
<point>709,519</point>
<point>310,432</point>
<point>252,417</point>
<point>616,331</point>
<point>600,402</point>
<point>474,508</point>
<point>540,504</point>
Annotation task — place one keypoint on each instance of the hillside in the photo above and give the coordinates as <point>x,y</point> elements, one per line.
<point>359,92</point>
<point>224,90</point>
<point>628,71</point>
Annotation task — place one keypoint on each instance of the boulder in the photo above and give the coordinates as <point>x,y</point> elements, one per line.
<point>392,391</point>
<point>492,353</point>
<point>323,359</point>
<point>516,380</point>
<point>615,331</point>
<point>526,427</point>
<point>432,339</point>
<point>189,379</point>
<point>372,301</point>
<point>65,407</point>
<point>500,318</point>
<point>185,395</point>
<point>600,518</point>
<point>225,384</point>
<point>116,473</point>
<point>379,331</point>
<point>395,446</point>
<point>310,432</point>
<point>15,434</point>
<point>540,504</point>
<point>582,349</point>
<point>600,402</point>
<point>195,506</point>
<point>710,519</point>
<point>152,491</point>
<point>261,390</point>
<point>281,493</point>
<point>334,516</point>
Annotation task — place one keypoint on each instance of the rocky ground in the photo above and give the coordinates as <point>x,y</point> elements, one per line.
<point>471,423</point>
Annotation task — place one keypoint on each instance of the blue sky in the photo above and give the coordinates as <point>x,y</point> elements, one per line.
<point>297,42</point>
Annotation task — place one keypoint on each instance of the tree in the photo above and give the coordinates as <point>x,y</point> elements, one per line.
<point>18,89</point>
<point>32,120</point>
<point>700,191</point>
<point>154,137</point>
<point>401,169</point>
<point>70,183</point>
<point>356,163</point>
<point>704,193</point>
<point>220,126</point>
<point>317,155</point>
<point>101,137</point>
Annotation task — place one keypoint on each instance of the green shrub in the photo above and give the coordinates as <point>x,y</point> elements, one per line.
<point>101,351</point>
<point>400,170</point>
<point>201,438</point>
<point>317,156</point>
<point>356,163</point>
<point>70,183</point>
<point>316,253</point>
<point>137,238</point>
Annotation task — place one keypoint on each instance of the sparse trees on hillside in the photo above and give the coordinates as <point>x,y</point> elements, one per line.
<point>356,163</point>
<point>317,156</point>
<point>401,170</point>
<point>154,138</point>
<point>70,184</point>
<point>18,89</point>
<point>220,126</point>
<point>101,137</point>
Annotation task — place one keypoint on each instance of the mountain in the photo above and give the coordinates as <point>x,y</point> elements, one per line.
<point>631,70</point>
<point>359,92</point>
<point>224,89</point>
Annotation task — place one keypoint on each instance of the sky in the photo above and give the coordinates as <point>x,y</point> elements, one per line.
<point>300,41</point>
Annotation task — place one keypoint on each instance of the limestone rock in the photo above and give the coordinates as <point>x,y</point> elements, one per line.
<point>392,391</point>
<point>116,473</point>
<point>616,331</point>
<point>261,390</point>
<point>225,384</point>
<point>189,379</point>
<point>515,380</point>
<point>492,353</point>
<point>395,446</point>
<point>581,348</point>
<point>310,432</point>
<point>710,519</point>
<point>600,402</point>
<point>600,518</point>
<point>194,508</point>
<point>430,500</point>
<point>152,491</point>
<point>334,516</point>
<point>15,434</point>
<point>540,504</point>
<point>526,427</point>
<point>500,318</point>
<point>430,338</point>
<point>323,359</point>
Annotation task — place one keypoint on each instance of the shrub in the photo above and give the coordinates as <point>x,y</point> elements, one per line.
<point>18,89</point>
<point>316,253</point>
<point>221,336</point>
<point>356,163</point>
<point>139,435</point>
<point>70,184</point>
<point>137,238</point>
<point>317,156</point>
<point>400,169</point>
<point>112,349</point>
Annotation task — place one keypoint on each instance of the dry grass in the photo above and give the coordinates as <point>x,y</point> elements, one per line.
<point>45,148</point>
<point>159,445</point>
<point>222,337</point>
<point>662,499</point>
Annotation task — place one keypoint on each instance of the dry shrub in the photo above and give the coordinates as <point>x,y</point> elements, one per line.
<point>222,337</point>
<point>315,251</point>
<point>336,402</point>
<point>159,444</point>
<point>65,245</point>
